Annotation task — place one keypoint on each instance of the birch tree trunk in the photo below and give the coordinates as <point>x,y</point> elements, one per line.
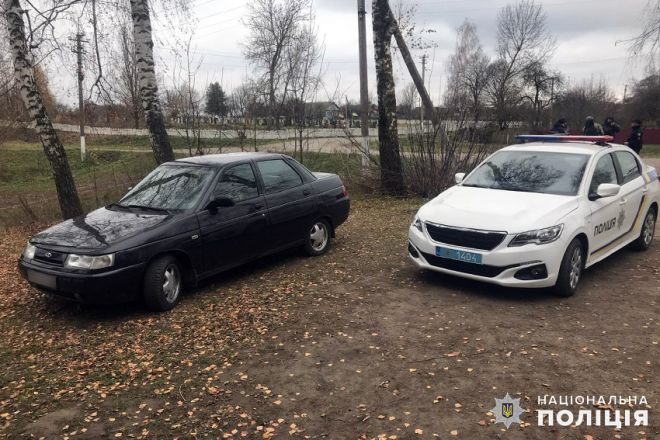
<point>391,168</point>
<point>144,57</point>
<point>67,194</point>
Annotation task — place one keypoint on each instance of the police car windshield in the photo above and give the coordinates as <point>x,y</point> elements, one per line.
<point>531,171</point>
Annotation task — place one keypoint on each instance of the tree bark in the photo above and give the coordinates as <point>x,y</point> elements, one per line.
<point>25,79</point>
<point>391,168</point>
<point>144,54</point>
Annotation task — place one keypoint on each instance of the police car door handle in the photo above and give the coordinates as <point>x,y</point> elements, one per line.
<point>623,201</point>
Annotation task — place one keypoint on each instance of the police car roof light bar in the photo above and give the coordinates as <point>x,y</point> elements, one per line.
<point>563,138</point>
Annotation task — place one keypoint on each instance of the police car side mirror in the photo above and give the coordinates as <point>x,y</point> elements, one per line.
<point>459,177</point>
<point>606,190</point>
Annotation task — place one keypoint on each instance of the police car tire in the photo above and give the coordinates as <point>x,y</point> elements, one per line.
<point>563,286</point>
<point>641,244</point>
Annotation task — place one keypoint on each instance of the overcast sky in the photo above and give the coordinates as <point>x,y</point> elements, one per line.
<point>586,33</point>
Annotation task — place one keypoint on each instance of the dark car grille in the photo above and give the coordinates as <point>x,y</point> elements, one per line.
<point>50,257</point>
<point>461,266</point>
<point>483,240</point>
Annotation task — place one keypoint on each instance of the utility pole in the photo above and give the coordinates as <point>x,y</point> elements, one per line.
<point>79,51</point>
<point>625,93</point>
<point>552,99</point>
<point>423,82</point>
<point>364,81</point>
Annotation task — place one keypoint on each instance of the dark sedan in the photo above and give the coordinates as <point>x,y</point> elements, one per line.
<point>186,221</point>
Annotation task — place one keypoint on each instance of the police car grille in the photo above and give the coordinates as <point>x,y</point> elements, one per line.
<point>483,240</point>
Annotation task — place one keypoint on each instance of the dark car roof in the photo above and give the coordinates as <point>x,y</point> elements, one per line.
<point>227,158</point>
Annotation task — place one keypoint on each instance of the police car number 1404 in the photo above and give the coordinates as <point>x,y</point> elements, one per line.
<point>455,254</point>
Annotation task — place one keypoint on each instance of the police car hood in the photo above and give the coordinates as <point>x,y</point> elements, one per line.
<point>497,210</point>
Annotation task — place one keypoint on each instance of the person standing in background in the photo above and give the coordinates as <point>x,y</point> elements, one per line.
<point>610,127</point>
<point>560,127</point>
<point>636,138</point>
<point>592,128</point>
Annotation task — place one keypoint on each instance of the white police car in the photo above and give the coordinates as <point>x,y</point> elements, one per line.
<point>537,214</point>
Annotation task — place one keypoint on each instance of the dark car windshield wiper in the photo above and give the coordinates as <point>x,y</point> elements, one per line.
<point>116,205</point>
<point>149,208</point>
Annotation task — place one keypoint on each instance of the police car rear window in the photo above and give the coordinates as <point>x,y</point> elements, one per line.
<point>531,171</point>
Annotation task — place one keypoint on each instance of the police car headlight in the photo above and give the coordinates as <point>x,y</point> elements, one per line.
<point>29,251</point>
<point>540,236</point>
<point>88,262</point>
<point>417,223</point>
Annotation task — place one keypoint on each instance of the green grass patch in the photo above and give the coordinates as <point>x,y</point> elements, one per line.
<point>652,151</point>
<point>178,143</point>
<point>28,170</point>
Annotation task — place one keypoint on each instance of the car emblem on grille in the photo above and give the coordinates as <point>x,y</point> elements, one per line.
<point>48,255</point>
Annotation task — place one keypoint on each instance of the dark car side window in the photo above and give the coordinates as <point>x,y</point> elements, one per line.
<point>629,166</point>
<point>605,172</point>
<point>237,183</point>
<point>278,175</point>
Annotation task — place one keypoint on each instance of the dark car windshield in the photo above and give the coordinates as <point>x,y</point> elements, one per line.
<point>170,187</point>
<point>531,171</point>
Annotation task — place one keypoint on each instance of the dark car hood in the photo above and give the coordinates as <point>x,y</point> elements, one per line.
<point>99,229</point>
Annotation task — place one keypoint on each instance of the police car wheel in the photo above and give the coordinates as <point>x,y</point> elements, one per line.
<point>570,271</point>
<point>645,238</point>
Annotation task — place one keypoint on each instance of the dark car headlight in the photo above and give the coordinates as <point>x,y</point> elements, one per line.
<point>74,261</point>
<point>29,251</point>
<point>539,236</point>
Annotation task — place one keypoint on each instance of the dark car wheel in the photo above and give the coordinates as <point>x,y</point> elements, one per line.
<point>570,271</point>
<point>645,238</point>
<point>163,282</point>
<point>317,240</point>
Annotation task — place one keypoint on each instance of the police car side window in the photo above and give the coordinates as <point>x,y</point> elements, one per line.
<point>629,166</point>
<point>605,173</point>
<point>237,183</point>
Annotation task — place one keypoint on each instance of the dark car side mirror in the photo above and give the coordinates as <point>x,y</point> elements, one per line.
<point>220,202</point>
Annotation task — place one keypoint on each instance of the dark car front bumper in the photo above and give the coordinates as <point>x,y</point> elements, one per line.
<point>116,286</point>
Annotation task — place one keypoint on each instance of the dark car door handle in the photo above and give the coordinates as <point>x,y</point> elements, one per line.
<point>306,192</point>
<point>258,207</point>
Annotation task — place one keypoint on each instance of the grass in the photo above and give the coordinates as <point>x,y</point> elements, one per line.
<point>70,140</point>
<point>652,151</point>
<point>28,170</point>
<point>27,189</point>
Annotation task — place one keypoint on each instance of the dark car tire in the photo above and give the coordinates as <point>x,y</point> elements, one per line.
<point>317,238</point>
<point>645,238</point>
<point>571,269</point>
<point>163,284</point>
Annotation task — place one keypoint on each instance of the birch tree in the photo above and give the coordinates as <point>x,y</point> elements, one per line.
<point>24,72</point>
<point>391,167</point>
<point>144,55</point>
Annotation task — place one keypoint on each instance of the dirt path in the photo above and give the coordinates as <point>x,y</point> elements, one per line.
<point>355,344</point>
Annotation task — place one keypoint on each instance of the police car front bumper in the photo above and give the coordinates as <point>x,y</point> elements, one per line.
<point>529,266</point>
